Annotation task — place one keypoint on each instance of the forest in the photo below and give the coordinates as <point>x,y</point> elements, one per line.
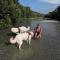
<point>54,14</point>
<point>11,11</point>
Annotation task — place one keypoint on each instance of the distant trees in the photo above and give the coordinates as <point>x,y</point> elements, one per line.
<point>12,10</point>
<point>55,14</point>
<point>26,11</point>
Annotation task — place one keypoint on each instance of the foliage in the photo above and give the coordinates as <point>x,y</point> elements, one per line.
<point>12,10</point>
<point>55,14</point>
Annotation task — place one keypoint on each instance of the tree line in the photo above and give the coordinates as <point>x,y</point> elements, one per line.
<point>12,10</point>
<point>55,14</point>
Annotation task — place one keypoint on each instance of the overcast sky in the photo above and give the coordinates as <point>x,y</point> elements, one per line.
<point>42,6</point>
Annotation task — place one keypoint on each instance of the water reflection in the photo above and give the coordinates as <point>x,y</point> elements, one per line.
<point>23,22</point>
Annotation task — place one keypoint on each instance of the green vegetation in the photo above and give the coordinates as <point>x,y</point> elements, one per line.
<point>11,11</point>
<point>55,14</point>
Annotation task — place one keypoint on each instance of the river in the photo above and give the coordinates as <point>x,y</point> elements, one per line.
<point>46,48</point>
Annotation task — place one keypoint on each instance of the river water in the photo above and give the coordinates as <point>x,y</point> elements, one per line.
<point>46,48</point>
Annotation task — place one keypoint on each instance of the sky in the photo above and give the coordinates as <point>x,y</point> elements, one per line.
<point>41,6</point>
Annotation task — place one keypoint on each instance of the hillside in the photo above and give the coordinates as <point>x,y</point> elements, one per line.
<point>12,10</point>
<point>55,14</point>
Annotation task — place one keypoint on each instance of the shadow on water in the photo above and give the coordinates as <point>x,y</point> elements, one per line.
<point>7,43</point>
<point>11,34</point>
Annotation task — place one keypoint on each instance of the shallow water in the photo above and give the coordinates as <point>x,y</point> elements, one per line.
<point>46,48</point>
